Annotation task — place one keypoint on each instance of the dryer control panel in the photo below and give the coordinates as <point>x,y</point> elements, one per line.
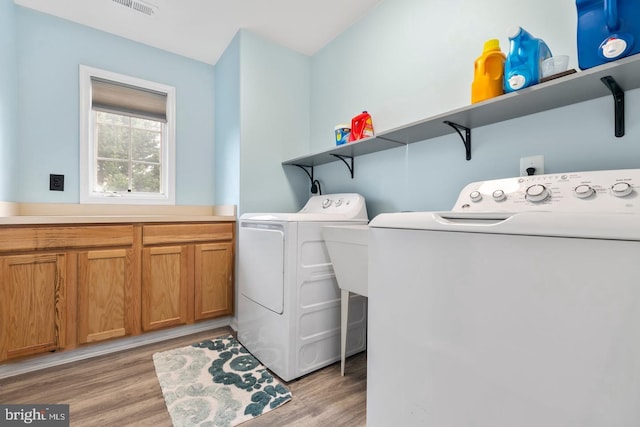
<point>351,205</point>
<point>593,191</point>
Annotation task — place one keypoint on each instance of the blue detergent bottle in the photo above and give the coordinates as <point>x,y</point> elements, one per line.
<point>607,30</point>
<point>522,66</point>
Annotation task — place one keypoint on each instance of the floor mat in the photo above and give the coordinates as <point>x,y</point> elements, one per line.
<point>216,383</point>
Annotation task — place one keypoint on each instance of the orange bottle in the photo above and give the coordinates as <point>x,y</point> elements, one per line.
<point>488,74</point>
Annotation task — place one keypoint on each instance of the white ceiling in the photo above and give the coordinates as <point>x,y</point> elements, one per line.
<point>202,29</point>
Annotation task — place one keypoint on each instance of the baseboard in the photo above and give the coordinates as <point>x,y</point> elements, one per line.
<point>234,324</point>
<point>10,369</point>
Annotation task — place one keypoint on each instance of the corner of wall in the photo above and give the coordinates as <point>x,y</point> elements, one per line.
<point>275,122</point>
<point>227,124</point>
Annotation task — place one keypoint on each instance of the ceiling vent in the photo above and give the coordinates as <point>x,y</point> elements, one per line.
<point>138,6</point>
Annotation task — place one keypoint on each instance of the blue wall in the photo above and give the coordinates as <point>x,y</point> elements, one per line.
<point>8,98</point>
<point>404,61</point>
<point>49,53</point>
<point>274,115</point>
<point>262,117</point>
<point>411,59</point>
<point>227,119</point>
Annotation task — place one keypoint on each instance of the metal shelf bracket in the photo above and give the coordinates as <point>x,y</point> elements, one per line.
<point>466,139</point>
<point>618,103</point>
<point>306,169</point>
<point>343,158</point>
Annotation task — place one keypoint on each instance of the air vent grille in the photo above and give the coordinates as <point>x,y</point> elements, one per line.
<point>138,6</point>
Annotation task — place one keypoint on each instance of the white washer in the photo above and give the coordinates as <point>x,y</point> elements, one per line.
<point>289,300</point>
<point>521,307</point>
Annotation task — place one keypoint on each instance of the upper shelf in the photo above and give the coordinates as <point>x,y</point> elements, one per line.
<point>571,89</point>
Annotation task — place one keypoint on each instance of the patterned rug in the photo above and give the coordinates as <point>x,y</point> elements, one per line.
<point>216,383</point>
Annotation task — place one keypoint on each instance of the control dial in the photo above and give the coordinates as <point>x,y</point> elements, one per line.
<point>475,196</point>
<point>326,203</point>
<point>499,195</point>
<point>621,189</point>
<point>583,191</point>
<point>537,193</point>
<point>338,203</point>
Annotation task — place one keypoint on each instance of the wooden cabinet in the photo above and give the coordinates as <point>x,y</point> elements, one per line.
<point>165,286</point>
<point>63,286</point>
<point>184,281</point>
<point>213,280</point>
<point>105,294</point>
<point>32,304</point>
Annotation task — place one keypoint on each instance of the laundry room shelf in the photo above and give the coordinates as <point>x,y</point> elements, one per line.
<point>574,88</point>
<point>352,149</point>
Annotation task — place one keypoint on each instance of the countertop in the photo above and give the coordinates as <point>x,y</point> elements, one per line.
<point>108,219</point>
<point>45,213</point>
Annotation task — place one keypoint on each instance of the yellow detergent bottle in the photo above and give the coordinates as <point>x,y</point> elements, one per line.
<point>488,75</point>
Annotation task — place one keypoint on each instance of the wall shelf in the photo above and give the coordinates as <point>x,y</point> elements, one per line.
<point>574,88</point>
<point>352,149</point>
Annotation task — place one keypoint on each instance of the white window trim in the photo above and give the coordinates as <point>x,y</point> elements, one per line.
<point>87,195</point>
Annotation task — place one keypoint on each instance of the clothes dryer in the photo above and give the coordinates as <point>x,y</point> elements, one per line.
<point>289,300</point>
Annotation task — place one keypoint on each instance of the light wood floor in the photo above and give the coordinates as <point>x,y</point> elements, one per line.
<point>121,389</point>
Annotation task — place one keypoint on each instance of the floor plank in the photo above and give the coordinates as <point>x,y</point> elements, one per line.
<point>121,389</point>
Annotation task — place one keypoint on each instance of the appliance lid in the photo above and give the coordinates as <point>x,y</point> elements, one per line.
<point>330,207</point>
<point>593,204</point>
<point>298,217</point>
<point>588,225</point>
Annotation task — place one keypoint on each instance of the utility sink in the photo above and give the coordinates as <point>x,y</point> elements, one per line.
<point>348,247</point>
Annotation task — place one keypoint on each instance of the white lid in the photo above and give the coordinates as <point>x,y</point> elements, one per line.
<point>513,32</point>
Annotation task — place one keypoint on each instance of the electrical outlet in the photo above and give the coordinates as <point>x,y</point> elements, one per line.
<point>56,182</point>
<point>535,162</point>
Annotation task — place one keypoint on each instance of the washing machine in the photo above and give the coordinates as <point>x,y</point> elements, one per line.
<point>520,307</point>
<point>288,299</point>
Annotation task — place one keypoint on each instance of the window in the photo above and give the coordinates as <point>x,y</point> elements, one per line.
<point>127,139</point>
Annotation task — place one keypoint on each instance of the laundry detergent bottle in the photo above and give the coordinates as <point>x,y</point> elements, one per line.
<point>488,72</point>
<point>361,127</point>
<point>522,66</point>
<point>607,30</point>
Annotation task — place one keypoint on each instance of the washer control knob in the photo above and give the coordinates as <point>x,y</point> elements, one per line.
<point>499,195</point>
<point>537,193</point>
<point>475,196</point>
<point>338,203</point>
<point>621,189</point>
<point>583,191</point>
<point>326,203</point>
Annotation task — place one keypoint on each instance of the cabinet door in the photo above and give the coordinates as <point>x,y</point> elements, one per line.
<point>213,280</point>
<point>32,301</point>
<point>104,294</point>
<point>165,272</point>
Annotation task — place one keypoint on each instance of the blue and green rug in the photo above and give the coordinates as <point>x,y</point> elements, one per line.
<point>216,383</point>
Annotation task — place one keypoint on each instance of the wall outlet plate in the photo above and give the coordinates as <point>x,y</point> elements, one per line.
<point>56,182</point>
<point>536,162</point>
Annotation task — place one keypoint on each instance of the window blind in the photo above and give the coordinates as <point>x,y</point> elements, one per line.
<point>118,97</point>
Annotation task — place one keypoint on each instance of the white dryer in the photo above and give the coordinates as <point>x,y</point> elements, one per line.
<point>521,307</point>
<point>289,300</point>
